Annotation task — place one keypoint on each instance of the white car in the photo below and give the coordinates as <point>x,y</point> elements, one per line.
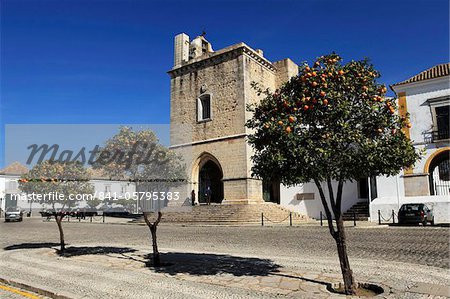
<point>13,214</point>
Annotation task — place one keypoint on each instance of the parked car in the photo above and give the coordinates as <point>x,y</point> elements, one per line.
<point>47,213</point>
<point>116,212</point>
<point>87,212</point>
<point>415,213</point>
<point>13,214</point>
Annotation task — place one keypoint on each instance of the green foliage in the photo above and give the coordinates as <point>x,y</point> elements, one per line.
<point>138,156</point>
<point>57,178</point>
<point>92,203</point>
<point>332,121</point>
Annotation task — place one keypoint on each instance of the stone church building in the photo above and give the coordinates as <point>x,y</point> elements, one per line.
<point>209,93</point>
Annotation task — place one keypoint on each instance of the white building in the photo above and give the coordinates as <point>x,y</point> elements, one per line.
<point>426,97</point>
<point>103,188</point>
<point>9,185</point>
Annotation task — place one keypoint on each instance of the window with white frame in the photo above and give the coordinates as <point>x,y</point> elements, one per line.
<point>440,108</point>
<point>204,107</point>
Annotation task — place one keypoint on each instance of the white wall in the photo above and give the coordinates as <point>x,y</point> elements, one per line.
<point>312,208</point>
<point>389,199</point>
<point>115,187</point>
<point>417,95</point>
<point>99,187</point>
<point>439,204</point>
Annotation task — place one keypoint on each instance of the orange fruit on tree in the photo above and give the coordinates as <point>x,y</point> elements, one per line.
<point>322,93</point>
<point>306,107</point>
<point>280,122</point>
<point>325,102</point>
<point>288,129</point>
<point>314,84</point>
<point>291,119</point>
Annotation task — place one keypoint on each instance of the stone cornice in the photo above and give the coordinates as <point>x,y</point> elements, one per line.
<point>224,138</point>
<point>220,56</point>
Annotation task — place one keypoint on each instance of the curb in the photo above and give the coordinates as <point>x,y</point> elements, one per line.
<point>34,289</point>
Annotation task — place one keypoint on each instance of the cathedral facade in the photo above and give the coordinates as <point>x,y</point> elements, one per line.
<point>210,91</point>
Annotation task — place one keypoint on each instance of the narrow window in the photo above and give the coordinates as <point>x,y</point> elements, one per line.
<point>204,108</point>
<point>442,122</point>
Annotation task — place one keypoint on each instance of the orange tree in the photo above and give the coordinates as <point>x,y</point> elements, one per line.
<point>58,184</point>
<point>332,122</point>
<point>137,155</point>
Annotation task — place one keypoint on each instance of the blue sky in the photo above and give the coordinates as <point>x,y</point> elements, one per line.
<point>98,61</point>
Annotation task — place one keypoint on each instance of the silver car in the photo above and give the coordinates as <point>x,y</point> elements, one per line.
<point>13,214</point>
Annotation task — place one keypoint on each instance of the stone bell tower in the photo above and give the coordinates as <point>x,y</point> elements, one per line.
<point>209,91</point>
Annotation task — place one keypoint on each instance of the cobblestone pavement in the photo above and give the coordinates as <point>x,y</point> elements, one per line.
<point>224,262</point>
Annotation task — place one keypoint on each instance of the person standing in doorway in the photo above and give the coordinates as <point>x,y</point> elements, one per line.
<point>208,195</point>
<point>193,197</point>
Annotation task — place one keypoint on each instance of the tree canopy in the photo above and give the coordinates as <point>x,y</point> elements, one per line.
<point>70,180</point>
<point>137,155</point>
<point>332,121</point>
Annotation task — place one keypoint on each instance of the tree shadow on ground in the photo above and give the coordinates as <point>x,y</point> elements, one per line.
<point>74,250</point>
<point>96,250</point>
<point>212,264</point>
<point>31,246</point>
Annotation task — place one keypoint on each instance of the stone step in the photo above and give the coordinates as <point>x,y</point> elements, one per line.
<point>359,211</point>
<point>242,213</point>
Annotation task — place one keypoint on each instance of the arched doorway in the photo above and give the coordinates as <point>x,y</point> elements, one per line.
<point>210,183</point>
<point>439,174</point>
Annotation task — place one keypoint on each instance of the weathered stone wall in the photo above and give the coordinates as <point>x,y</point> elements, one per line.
<point>286,69</point>
<point>232,156</point>
<point>223,81</point>
<point>227,75</point>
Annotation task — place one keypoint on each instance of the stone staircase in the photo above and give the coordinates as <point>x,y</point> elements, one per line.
<point>230,214</point>
<point>361,211</point>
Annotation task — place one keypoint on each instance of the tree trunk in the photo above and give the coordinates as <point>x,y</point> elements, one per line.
<point>156,259</point>
<point>338,234</point>
<point>153,226</point>
<point>61,234</point>
<point>347,273</point>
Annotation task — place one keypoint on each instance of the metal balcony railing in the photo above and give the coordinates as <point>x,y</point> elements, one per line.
<point>440,134</point>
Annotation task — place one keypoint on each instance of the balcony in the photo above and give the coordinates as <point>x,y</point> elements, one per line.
<point>439,135</point>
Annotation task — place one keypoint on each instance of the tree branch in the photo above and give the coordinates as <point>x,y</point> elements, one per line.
<point>147,221</point>
<point>331,195</point>
<point>327,209</point>
<point>339,199</point>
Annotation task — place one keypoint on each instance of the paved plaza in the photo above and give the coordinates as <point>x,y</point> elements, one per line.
<point>108,260</point>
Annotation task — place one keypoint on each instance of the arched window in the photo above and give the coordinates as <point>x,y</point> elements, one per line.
<point>204,107</point>
<point>439,174</point>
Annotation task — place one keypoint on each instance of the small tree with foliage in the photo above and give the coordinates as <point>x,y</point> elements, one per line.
<point>47,181</point>
<point>332,122</point>
<point>139,157</point>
